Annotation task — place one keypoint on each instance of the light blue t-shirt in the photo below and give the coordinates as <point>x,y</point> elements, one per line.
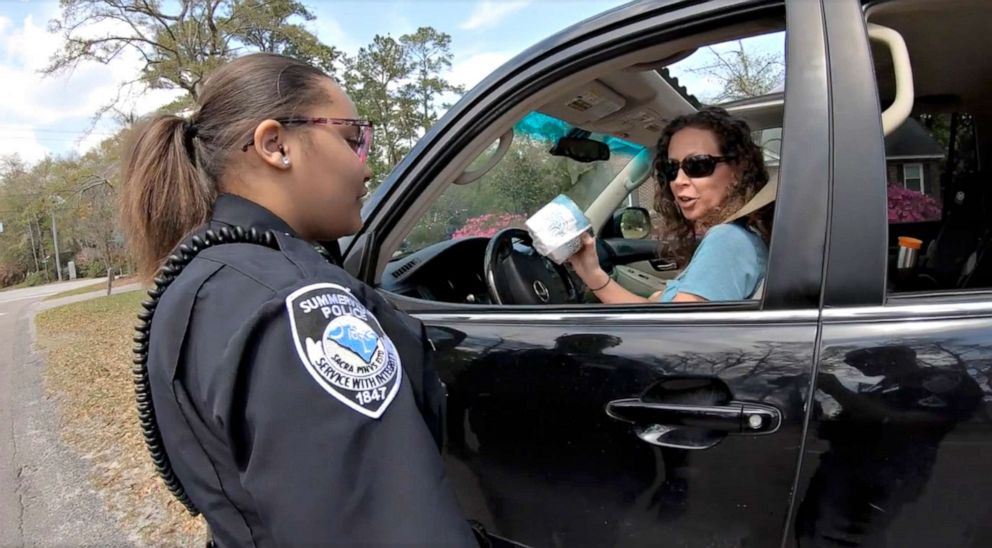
<point>728,265</point>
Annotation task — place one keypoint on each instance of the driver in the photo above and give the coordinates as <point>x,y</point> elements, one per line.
<point>707,168</point>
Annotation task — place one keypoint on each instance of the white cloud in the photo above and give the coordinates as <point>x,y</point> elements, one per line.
<point>472,69</point>
<point>489,13</point>
<point>20,140</point>
<point>330,31</point>
<point>63,104</point>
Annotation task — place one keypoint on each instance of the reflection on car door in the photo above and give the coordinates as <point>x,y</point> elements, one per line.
<point>603,426</point>
<point>536,458</point>
<point>900,437</point>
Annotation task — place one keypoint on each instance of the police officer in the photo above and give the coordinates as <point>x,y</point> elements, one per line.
<point>295,405</point>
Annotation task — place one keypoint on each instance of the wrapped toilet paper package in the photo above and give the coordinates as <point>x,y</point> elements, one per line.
<point>557,229</point>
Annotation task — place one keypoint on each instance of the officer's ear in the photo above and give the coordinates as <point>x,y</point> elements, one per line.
<point>270,144</point>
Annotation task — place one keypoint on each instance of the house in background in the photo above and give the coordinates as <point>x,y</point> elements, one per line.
<point>913,157</point>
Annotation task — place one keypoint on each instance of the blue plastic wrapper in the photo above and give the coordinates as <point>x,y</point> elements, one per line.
<point>557,229</point>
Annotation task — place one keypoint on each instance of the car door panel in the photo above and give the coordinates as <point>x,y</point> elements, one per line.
<point>900,442</point>
<point>898,449</point>
<point>534,456</point>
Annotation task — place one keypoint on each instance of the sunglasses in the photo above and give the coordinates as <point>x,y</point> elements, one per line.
<point>360,145</point>
<point>701,165</point>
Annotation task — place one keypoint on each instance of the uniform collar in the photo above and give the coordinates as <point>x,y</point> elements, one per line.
<point>237,211</point>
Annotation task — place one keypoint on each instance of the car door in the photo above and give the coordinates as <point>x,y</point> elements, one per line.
<point>899,445</point>
<point>676,425</point>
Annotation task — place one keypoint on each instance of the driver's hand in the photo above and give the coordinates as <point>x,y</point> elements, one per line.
<point>586,260</point>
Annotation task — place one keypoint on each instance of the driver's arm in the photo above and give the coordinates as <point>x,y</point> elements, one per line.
<point>586,265</point>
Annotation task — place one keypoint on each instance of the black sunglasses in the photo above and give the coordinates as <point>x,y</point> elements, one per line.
<point>701,165</point>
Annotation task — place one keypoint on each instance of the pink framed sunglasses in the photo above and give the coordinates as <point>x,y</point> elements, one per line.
<point>361,146</point>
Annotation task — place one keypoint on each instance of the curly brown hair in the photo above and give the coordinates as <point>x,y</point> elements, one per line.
<point>747,161</point>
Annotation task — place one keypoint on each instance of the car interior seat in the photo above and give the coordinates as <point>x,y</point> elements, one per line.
<point>962,233</point>
<point>976,269</point>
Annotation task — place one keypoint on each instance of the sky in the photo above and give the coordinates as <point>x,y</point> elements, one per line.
<point>42,115</point>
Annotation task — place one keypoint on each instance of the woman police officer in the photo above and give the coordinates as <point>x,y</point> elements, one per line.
<point>294,405</point>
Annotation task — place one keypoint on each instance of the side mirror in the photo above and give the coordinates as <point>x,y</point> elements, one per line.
<point>581,149</point>
<point>632,223</point>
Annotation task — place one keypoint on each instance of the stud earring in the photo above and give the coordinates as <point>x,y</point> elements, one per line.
<point>285,161</point>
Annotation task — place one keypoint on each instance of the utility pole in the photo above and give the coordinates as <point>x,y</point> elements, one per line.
<point>42,253</point>
<point>34,254</point>
<point>55,239</point>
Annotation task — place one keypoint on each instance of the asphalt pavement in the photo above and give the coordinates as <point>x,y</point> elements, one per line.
<point>45,498</point>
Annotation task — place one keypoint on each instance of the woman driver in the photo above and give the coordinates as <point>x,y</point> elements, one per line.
<point>707,167</point>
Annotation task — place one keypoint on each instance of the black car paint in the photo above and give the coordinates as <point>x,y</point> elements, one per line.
<point>534,456</point>
<point>886,431</point>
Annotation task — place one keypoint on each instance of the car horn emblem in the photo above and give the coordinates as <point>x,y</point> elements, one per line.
<point>541,291</point>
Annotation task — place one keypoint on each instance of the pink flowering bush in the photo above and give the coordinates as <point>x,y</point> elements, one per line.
<point>908,206</point>
<point>488,225</point>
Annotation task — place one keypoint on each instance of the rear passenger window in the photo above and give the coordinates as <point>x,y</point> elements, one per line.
<point>938,181</point>
<point>938,205</point>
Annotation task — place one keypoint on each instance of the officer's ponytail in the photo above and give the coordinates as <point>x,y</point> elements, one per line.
<point>174,166</point>
<point>163,196</point>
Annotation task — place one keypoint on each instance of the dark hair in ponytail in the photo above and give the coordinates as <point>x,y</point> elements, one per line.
<point>172,166</point>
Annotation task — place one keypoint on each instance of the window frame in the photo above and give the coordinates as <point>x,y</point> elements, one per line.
<point>794,278</point>
<point>906,179</point>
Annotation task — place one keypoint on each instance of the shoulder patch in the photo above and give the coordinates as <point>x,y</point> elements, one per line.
<point>344,348</point>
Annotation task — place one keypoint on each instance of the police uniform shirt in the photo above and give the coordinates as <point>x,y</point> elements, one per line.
<point>296,405</point>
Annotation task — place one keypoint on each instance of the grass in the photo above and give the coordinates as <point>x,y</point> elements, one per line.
<point>88,371</point>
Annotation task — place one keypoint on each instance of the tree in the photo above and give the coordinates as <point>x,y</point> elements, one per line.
<point>743,74</point>
<point>180,43</point>
<point>374,78</point>
<point>266,25</point>
<point>429,53</point>
<point>397,83</point>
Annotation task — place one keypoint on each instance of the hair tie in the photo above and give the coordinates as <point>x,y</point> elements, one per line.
<point>190,132</point>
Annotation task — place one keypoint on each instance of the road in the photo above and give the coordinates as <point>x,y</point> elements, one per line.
<point>44,496</point>
<point>40,292</point>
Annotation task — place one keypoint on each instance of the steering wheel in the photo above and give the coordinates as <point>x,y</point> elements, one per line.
<point>517,274</point>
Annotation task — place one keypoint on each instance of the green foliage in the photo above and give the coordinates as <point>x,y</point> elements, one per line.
<point>524,180</point>
<point>397,84</point>
<point>78,194</point>
<point>35,278</point>
<point>180,43</point>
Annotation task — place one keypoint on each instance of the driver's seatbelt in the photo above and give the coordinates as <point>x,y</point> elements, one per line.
<point>764,197</point>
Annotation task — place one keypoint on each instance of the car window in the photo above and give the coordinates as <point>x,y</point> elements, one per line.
<point>526,178</point>
<point>938,195</point>
<point>625,110</point>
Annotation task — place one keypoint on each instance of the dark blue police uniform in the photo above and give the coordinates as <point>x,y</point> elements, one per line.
<point>296,405</point>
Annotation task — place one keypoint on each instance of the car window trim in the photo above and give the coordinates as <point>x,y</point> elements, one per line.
<point>601,316</point>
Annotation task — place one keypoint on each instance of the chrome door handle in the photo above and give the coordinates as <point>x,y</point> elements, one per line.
<point>735,417</point>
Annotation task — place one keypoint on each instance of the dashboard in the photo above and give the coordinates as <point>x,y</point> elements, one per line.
<point>450,271</point>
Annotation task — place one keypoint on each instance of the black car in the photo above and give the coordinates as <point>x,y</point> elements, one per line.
<point>845,404</point>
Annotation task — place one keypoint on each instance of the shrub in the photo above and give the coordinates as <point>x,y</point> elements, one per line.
<point>34,278</point>
<point>488,225</point>
<point>908,206</point>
